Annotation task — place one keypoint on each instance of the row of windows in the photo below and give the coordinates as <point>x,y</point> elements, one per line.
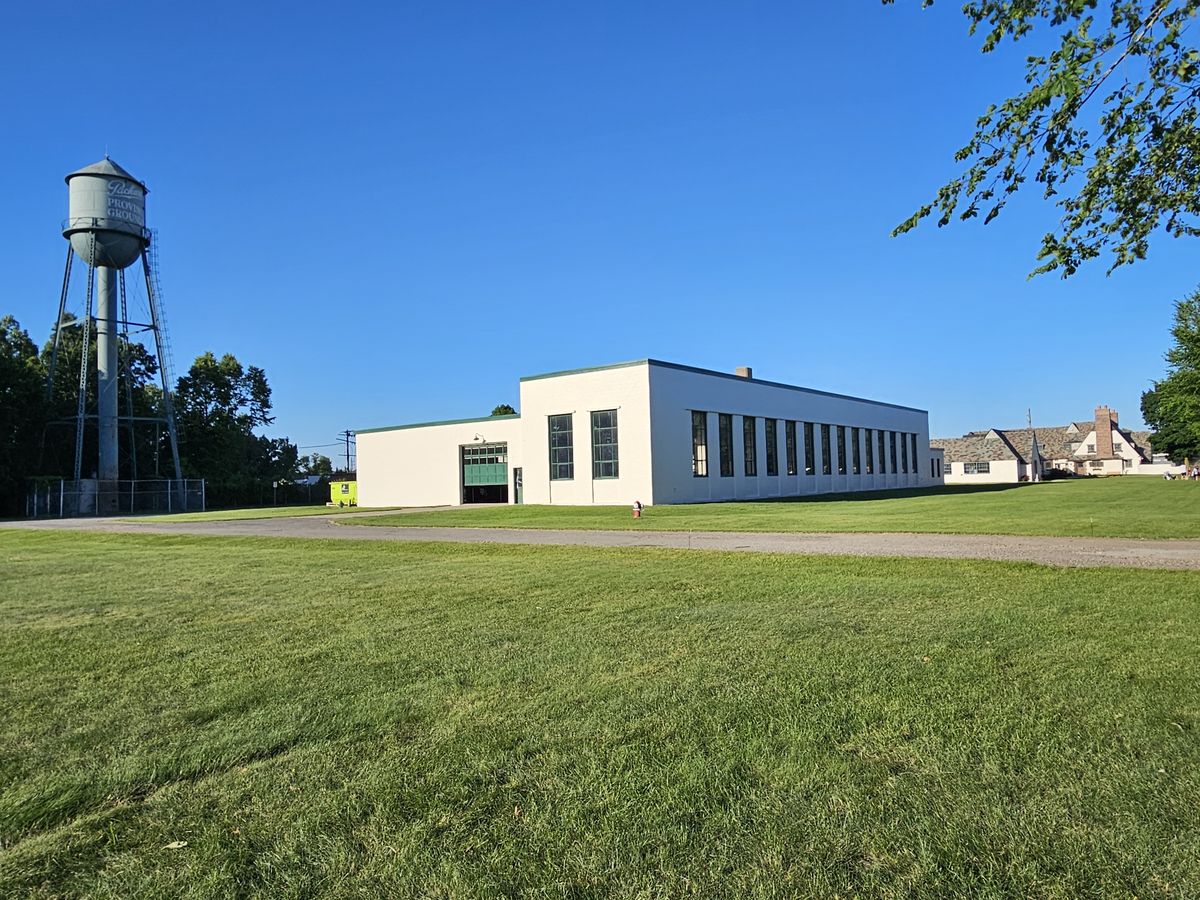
<point>605,462</point>
<point>860,450</point>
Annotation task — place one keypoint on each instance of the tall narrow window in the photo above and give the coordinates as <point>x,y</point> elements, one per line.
<point>749,447</point>
<point>856,453</point>
<point>913,439</point>
<point>772,438</point>
<point>700,444</point>
<point>604,444</point>
<point>789,439</point>
<point>867,437</point>
<point>810,451</point>
<point>841,439</point>
<point>826,460</point>
<point>892,436</point>
<point>882,442</point>
<point>904,453</point>
<point>562,448</point>
<point>725,437</point>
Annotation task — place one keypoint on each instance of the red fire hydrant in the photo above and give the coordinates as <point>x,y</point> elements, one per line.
<point>637,509</point>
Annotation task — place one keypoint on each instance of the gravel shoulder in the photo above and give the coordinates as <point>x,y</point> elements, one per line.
<point>1053,551</point>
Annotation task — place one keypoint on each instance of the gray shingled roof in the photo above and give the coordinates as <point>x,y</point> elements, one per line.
<point>1052,442</point>
<point>975,447</point>
<point>1017,443</point>
<point>1141,440</point>
<point>1021,440</point>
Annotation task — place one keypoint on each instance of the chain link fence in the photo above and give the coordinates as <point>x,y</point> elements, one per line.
<point>63,498</point>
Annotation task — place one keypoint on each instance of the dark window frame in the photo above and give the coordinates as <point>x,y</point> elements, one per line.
<point>771,436</point>
<point>826,462</point>
<point>562,453</point>
<point>868,436</point>
<point>604,437</point>
<point>725,443</point>
<point>810,450</point>
<point>699,444</point>
<point>749,447</point>
<point>789,442</point>
<point>892,439</point>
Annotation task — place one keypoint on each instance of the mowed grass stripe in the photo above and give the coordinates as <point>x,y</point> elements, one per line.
<point>449,720</point>
<point>1129,507</point>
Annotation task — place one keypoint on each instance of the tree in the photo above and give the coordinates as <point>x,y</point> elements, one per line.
<point>316,464</point>
<point>1172,406</point>
<point>219,404</point>
<point>22,411</point>
<point>1133,75</point>
<point>504,410</point>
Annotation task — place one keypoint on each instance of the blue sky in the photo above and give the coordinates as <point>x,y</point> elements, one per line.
<point>399,209</point>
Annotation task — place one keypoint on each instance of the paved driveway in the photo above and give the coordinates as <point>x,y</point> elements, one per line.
<point>1055,551</point>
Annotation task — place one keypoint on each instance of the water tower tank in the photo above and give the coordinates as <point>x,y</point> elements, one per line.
<point>110,204</point>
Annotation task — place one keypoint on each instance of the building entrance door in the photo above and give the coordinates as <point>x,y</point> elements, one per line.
<point>485,473</point>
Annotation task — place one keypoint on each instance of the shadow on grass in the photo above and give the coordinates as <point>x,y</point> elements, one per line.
<point>892,494</point>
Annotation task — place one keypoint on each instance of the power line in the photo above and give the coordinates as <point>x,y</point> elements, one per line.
<point>347,435</point>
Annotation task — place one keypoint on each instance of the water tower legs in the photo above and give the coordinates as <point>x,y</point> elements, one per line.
<point>107,338</point>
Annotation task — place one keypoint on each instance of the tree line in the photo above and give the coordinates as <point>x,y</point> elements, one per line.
<point>219,407</point>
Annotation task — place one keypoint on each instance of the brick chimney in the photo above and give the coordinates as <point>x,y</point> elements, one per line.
<point>744,372</point>
<point>1105,420</point>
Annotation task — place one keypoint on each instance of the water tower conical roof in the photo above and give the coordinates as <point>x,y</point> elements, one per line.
<point>106,167</point>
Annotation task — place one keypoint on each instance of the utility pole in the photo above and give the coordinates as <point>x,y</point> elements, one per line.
<point>348,435</point>
<point>1035,462</point>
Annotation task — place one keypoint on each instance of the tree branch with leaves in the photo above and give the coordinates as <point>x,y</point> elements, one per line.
<point>1107,127</point>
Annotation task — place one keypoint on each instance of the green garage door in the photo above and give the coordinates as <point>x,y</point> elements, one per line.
<point>485,473</point>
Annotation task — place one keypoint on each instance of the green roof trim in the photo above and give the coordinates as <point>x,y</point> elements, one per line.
<point>620,365</point>
<point>433,424</point>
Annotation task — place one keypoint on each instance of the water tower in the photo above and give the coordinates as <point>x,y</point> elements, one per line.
<point>106,228</point>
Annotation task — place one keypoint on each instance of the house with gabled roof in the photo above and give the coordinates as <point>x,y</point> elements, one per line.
<point>1010,455</point>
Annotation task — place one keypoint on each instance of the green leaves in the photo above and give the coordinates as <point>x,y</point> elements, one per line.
<point>1172,406</point>
<point>1107,126</point>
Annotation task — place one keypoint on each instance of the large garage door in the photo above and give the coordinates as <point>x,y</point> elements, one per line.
<point>485,473</point>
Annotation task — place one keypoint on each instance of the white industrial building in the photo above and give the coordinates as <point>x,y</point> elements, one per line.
<point>654,432</point>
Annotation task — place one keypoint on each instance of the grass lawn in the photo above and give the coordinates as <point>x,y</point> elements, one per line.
<point>254,512</point>
<point>362,719</point>
<point>1134,507</point>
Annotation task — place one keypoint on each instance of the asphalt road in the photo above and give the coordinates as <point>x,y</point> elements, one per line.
<point>1054,551</point>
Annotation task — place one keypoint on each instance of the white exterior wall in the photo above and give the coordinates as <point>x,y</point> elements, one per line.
<point>939,456</point>
<point>676,392</point>
<point>1003,471</point>
<point>623,388</point>
<point>1128,461</point>
<point>421,465</point>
